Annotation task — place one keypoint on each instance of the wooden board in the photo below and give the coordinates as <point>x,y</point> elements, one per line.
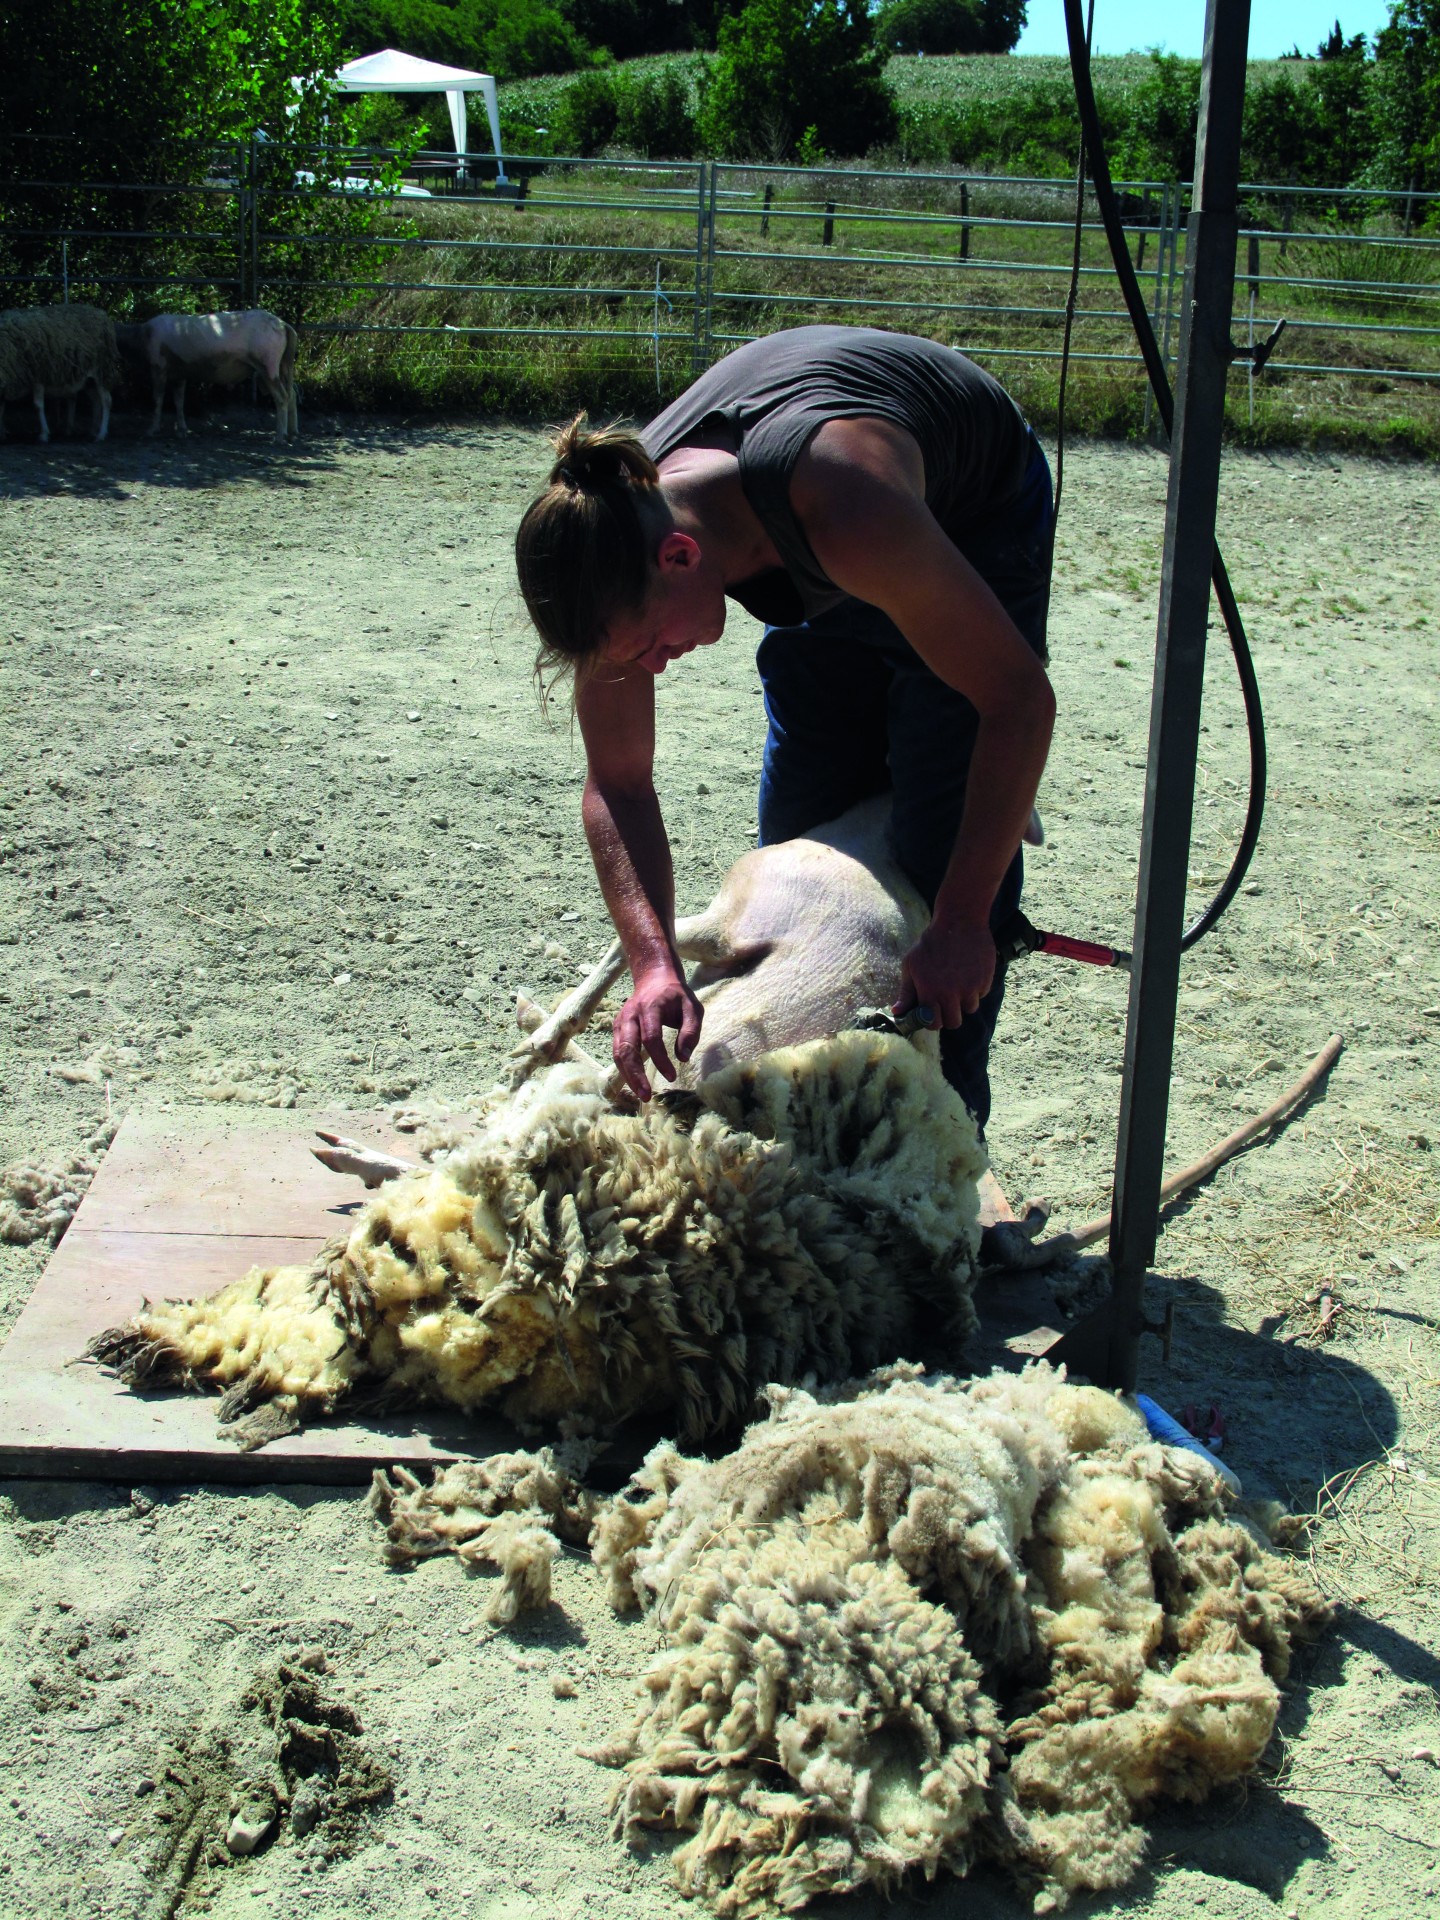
<point>182,1206</point>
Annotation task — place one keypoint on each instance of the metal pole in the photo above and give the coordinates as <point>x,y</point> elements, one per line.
<point>240,242</point>
<point>708,344</point>
<point>1170,279</point>
<point>701,185</point>
<point>1205,355</point>
<point>253,176</point>
<point>1252,264</point>
<point>1160,242</point>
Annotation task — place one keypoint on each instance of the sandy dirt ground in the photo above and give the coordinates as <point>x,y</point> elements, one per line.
<point>282,827</point>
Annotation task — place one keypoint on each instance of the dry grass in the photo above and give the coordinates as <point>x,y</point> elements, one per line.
<point>1373,1188</point>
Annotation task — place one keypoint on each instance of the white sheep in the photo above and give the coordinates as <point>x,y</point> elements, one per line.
<point>61,351</point>
<point>215,349</point>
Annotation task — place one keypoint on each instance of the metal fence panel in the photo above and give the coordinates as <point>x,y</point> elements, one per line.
<point>666,264</point>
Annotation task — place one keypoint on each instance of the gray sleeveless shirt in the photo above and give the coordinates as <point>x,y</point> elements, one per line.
<point>769,397</point>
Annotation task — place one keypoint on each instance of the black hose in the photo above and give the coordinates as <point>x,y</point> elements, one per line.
<point>1164,401</point>
<point>1072,300</point>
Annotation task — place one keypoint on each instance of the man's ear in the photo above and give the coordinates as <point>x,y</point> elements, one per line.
<point>677,553</point>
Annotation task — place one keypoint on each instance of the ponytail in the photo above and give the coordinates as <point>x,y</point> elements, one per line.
<point>583,551</point>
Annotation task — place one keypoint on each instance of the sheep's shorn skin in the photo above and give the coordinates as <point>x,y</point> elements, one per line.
<point>60,351</point>
<point>911,1625</point>
<point>814,1210</point>
<point>214,349</point>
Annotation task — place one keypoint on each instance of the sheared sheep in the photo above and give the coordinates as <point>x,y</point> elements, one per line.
<point>218,349</point>
<point>800,937</point>
<point>812,1210</point>
<point>910,1624</point>
<point>61,351</point>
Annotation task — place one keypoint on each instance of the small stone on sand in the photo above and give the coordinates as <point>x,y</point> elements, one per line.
<point>246,1831</point>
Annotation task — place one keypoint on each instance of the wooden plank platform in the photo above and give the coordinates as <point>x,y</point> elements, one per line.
<point>183,1204</point>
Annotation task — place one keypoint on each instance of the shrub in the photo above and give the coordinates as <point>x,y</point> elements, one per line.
<point>655,116</point>
<point>508,38</point>
<point>527,36</point>
<point>1408,63</point>
<point>588,115</point>
<point>787,66</point>
<point>630,27</point>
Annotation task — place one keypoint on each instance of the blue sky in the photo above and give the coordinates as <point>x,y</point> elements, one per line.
<point>1275,25</point>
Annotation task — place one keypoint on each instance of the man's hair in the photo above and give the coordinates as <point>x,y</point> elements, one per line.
<point>584,546</point>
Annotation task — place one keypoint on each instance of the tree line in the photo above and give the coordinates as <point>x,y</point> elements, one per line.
<point>127,85</point>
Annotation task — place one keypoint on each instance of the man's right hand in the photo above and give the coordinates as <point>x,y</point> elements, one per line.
<point>661,1000</point>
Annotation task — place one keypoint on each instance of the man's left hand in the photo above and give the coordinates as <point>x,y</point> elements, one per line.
<point>949,968</point>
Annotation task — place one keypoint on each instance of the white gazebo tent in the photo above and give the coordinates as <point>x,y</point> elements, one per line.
<point>392,72</point>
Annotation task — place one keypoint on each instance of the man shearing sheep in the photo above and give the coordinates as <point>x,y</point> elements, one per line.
<point>881,504</point>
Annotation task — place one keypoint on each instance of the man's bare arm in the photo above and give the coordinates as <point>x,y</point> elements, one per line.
<point>631,851</point>
<point>859,494</point>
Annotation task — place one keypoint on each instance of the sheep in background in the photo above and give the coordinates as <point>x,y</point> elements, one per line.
<point>909,1625</point>
<point>61,351</point>
<point>812,1210</point>
<point>216,349</point>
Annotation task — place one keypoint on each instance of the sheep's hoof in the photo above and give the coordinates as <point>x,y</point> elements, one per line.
<point>368,1164</point>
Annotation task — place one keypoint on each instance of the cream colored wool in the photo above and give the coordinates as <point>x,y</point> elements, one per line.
<point>59,349</point>
<point>911,1624</point>
<point>38,1203</point>
<point>814,1210</point>
<point>933,1623</point>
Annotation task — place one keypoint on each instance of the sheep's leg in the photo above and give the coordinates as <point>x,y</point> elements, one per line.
<point>180,427</point>
<point>368,1164</point>
<point>574,1013</point>
<point>292,409</point>
<point>529,1015</point>
<point>37,394</point>
<point>1007,1238</point>
<point>157,394</point>
<point>696,938</point>
<point>102,410</point>
<point>705,940</point>
<point>276,389</point>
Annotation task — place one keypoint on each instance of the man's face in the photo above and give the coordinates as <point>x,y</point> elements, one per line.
<point>682,611</point>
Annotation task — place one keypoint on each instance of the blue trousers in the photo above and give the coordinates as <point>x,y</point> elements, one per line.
<point>853,711</point>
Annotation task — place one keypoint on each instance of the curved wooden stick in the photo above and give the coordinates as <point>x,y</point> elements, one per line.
<point>1201,1169</point>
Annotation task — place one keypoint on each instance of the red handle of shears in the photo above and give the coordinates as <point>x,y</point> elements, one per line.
<point>1089,951</point>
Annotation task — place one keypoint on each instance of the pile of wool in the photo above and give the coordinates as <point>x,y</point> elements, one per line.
<point>811,1211</point>
<point>915,1624</point>
<point>38,1202</point>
